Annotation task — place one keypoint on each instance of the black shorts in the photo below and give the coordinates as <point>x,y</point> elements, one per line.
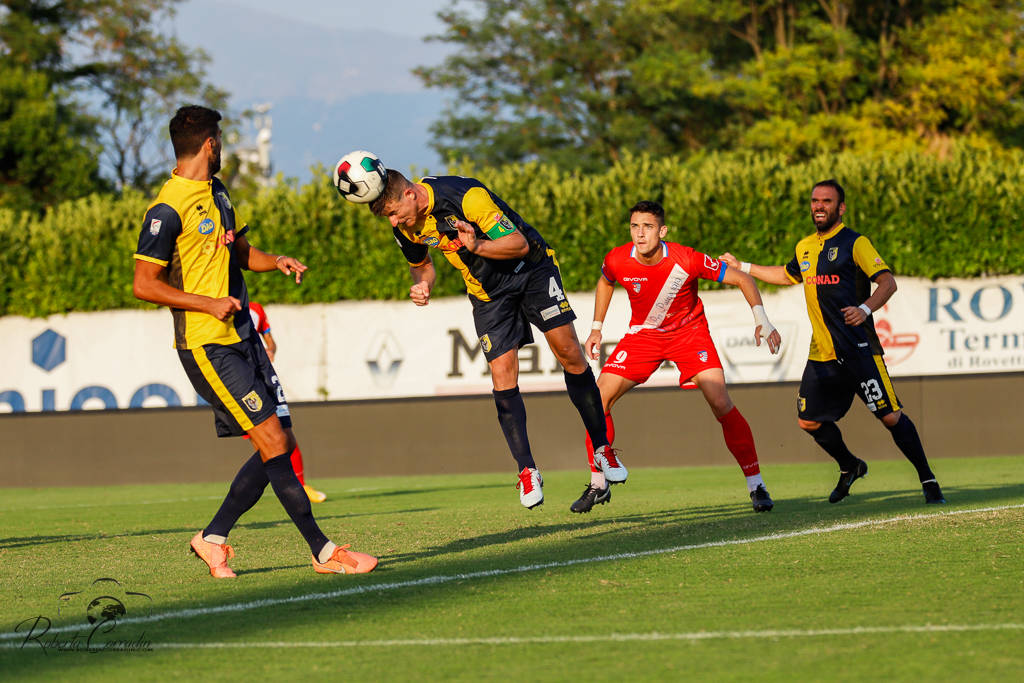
<point>238,382</point>
<point>828,387</point>
<point>503,323</point>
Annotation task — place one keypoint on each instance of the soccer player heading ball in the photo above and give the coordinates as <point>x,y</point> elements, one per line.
<point>668,323</point>
<point>836,267</point>
<point>513,282</point>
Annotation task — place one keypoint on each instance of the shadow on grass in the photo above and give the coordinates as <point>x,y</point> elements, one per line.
<point>599,534</point>
<point>23,541</point>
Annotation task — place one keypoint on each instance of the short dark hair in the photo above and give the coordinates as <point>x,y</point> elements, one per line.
<point>190,128</point>
<point>394,186</point>
<point>834,184</point>
<point>651,207</point>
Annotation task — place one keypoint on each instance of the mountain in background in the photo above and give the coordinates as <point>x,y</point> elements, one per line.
<point>332,90</point>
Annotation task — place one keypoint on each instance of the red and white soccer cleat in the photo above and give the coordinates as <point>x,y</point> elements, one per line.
<point>531,493</point>
<point>607,458</point>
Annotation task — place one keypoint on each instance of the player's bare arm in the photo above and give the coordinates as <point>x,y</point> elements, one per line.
<point>773,275</point>
<point>602,298</point>
<point>885,287</point>
<point>423,278</point>
<point>150,284</point>
<point>507,247</point>
<point>261,262</point>
<point>763,329</point>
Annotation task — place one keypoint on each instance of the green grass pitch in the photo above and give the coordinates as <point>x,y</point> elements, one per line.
<point>676,578</point>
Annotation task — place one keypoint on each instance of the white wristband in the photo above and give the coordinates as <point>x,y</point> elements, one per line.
<point>745,267</point>
<point>865,308</point>
<point>597,325</point>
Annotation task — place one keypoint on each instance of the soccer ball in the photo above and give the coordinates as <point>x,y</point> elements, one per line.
<point>360,177</point>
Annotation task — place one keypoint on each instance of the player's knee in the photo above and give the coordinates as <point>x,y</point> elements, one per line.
<point>891,419</point>
<point>808,425</point>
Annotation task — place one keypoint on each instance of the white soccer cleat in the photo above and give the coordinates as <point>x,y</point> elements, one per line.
<point>531,493</point>
<point>607,458</point>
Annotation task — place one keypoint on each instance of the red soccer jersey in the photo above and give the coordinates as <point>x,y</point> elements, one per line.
<point>259,318</point>
<point>662,297</point>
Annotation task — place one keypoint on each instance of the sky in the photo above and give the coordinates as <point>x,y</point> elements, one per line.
<point>338,74</point>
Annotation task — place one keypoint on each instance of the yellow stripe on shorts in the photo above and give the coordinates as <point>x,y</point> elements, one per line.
<point>886,382</point>
<point>222,392</point>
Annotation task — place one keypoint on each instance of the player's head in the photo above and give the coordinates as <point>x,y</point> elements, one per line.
<point>828,204</point>
<point>647,226</point>
<point>397,201</point>
<point>194,130</point>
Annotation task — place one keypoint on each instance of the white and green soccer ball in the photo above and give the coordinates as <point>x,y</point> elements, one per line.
<point>360,176</point>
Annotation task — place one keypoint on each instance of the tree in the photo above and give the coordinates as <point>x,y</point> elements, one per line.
<point>41,160</point>
<point>115,76</point>
<point>580,81</point>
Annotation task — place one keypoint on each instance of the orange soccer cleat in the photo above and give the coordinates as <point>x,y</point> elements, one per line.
<point>215,555</point>
<point>345,561</point>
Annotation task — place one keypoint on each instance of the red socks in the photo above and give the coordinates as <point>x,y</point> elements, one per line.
<point>296,458</point>
<point>610,428</point>
<point>740,441</point>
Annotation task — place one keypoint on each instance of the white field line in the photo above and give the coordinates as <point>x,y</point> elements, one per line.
<point>618,637</point>
<point>489,573</point>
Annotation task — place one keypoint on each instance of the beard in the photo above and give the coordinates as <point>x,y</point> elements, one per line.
<point>828,222</point>
<point>214,163</point>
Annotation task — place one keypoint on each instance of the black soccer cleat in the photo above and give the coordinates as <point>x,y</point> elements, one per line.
<point>932,493</point>
<point>846,479</point>
<point>591,496</point>
<point>761,500</point>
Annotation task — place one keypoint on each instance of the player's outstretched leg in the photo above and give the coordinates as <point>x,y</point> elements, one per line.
<point>512,418</point>
<point>904,433</point>
<point>210,544</point>
<point>740,442</point>
<point>851,468</point>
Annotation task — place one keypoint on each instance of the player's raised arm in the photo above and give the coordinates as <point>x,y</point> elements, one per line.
<point>762,327</point>
<point>774,275</point>
<point>509,246</point>
<point>602,298</point>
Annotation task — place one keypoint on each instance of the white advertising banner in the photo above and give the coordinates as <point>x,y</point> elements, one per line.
<point>367,350</point>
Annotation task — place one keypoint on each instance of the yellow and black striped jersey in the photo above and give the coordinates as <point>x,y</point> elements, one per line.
<point>190,230</point>
<point>454,198</point>
<point>836,269</point>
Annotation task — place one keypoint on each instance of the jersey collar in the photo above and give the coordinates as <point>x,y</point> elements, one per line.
<point>664,254</point>
<point>180,179</point>
<point>831,233</point>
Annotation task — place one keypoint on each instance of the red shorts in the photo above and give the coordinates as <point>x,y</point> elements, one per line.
<point>638,355</point>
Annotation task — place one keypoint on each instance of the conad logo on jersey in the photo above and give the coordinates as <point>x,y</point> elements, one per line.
<point>822,279</point>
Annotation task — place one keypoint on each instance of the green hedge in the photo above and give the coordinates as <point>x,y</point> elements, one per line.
<point>932,218</point>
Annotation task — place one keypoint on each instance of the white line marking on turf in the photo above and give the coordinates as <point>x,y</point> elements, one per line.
<point>619,637</point>
<point>550,640</point>
<point>449,578</point>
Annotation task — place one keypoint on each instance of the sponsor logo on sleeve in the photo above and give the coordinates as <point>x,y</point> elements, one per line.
<point>805,266</point>
<point>154,227</point>
<point>206,226</point>
<point>710,263</point>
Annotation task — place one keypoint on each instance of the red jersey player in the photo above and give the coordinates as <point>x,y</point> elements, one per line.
<point>668,323</point>
<point>262,325</point>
